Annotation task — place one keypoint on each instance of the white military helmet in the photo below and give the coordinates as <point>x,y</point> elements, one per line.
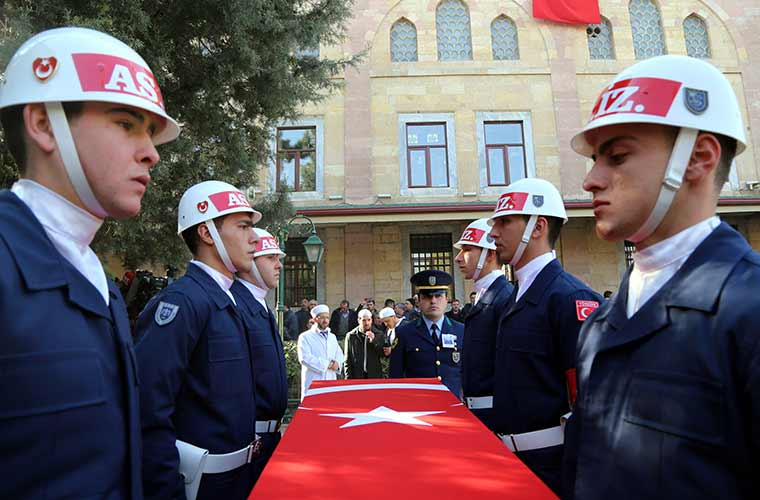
<point>533,197</point>
<point>672,90</point>
<point>207,201</point>
<point>266,245</point>
<point>79,64</point>
<point>477,234</point>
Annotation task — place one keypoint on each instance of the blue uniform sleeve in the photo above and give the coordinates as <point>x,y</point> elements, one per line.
<point>163,353</point>
<point>396,369</point>
<point>569,318</point>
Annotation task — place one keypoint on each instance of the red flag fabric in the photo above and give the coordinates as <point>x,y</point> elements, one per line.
<point>392,439</point>
<point>568,11</point>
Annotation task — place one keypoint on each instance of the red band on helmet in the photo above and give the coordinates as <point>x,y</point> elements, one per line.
<point>105,73</point>
<point>267,243</point>
<point>472,235</point>
<point>227,200</point>
<point>646,96</point>
<point>511,201</point>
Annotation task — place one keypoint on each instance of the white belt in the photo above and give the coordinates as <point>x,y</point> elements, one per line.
<point>536,440</point>
<point>265,426</point>
<point>195,461</point>
<point>479,403</point>
<point>216,464</point>
<point>533,440</point>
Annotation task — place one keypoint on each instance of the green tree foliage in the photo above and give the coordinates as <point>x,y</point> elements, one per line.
<point>229,71</point>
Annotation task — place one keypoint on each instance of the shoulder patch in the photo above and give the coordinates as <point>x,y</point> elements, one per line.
<point>584,308</point>
<point>165,313</point>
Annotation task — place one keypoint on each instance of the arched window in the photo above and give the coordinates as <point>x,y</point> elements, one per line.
<point>695,34</point>
<point>452,23</point>
<point>646,25</point>
<point>504,39</point>
<point>600,44</point>
<point>403,41</point>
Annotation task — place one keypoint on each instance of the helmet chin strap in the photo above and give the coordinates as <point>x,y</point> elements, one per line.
<point>679,160</point>
<point>70,158</point>
<point>524,240</point>
<point>257,276</point>
<point>220,246</point>
<point>481,263</point>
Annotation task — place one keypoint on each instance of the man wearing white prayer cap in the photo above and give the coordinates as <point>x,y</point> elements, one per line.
<point>388,316</point>
<point>318,350</point>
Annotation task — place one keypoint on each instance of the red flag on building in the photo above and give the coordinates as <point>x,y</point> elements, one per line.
<point>568,11</point>
<point>397,439</point>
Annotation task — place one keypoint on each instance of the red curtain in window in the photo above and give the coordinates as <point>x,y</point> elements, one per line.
<point>568,11</point>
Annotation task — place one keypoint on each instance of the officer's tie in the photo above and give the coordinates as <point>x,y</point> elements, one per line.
<point>436,337</point>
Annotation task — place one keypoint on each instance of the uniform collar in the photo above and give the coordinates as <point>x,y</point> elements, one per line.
<point>57,214</point>
<point>220,295</point>
<point>428,323</point>
<point>527,274</point>
<point>483,283</point>
<point>258,293</point>
<point>39,263</point>
<point>675,247</point>
<point>697,284</point>
<point>219,278</point>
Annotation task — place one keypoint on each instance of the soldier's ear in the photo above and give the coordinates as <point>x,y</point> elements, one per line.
<point>38,128</point>
<point>204,234</point>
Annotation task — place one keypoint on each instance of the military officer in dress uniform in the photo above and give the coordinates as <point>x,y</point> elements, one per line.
<point>430,346</point>
<point>264,343</point>
<point>534,379</point>
<point>669,368</point>
<point>197,388</point>
<point>84,145</point>
<point>478,261</point>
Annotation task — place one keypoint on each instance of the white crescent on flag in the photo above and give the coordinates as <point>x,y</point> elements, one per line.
<point>392,439</point>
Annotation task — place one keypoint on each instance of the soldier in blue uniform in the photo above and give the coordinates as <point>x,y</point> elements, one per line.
<point>430,346</point>
<point>197,387</point>
<point>669,368</point>
<point>478,261</point>
<point>69,418</point>
<point>266,351</point>
<point>534,380</point>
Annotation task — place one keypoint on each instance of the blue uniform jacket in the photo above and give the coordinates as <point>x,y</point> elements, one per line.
<point>268,365</point>
<point>197,384</point>
<point>669,400</point>
<point>69,414</point>
<point>479,344</point>
<point>416,355</point>
<point>535,348</point>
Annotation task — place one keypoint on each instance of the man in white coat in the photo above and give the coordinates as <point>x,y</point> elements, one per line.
<point>318,350</point>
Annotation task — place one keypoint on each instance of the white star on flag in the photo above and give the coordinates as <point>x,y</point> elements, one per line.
<point>383,414</point>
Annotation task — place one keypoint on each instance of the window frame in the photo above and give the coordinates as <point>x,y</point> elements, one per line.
<point>505,152</point>
<point>273,170</point>
<point>297,152</point>
<point>403,156</point>
<point>428,163</point>
<point>481,118</point>
<point>445,242</point>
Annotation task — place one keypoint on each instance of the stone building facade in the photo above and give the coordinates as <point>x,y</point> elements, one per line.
<point>452,100</point>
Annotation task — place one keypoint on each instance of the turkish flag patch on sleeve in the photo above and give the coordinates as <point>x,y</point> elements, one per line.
<point>584,308</point>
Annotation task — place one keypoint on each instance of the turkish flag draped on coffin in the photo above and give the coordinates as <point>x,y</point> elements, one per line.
<point>392,439</point>
<point>568,11</point>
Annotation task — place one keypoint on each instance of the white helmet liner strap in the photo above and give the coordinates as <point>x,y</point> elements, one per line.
<point>679,160</point>
<point>220,246</point>
<point>481,263</point>
<point>257,276</point>
<point>524,240</point>
<point>70,158</point>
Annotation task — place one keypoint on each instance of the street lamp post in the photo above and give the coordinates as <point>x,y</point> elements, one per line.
<point>314,248</point>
